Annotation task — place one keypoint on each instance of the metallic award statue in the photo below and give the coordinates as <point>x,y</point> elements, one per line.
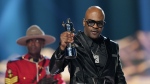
<point>70,51</point>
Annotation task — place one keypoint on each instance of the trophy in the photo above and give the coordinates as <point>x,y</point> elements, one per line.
<point>70,51</point>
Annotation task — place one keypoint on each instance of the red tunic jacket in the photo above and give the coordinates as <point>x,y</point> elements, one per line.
<point>25,71</point>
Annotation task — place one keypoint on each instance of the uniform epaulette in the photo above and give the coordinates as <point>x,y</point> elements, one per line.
<point>16,59</point>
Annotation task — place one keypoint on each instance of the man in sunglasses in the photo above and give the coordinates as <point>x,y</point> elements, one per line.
<point>97,60</point>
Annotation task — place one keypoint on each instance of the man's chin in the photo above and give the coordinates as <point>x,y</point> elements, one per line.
<point>33,53</point>
<point>94,36</point>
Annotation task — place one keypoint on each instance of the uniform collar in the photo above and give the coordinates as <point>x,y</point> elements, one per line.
<point>29,58</point>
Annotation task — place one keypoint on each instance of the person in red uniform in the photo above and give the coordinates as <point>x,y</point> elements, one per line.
<point>32,68</point>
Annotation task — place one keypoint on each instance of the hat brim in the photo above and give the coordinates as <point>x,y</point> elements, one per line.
<point>48,39</point>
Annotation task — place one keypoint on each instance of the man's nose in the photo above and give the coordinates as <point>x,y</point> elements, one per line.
<point>95,26</point>
<point>32,42</point>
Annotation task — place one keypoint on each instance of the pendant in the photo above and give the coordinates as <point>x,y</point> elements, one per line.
<point>96,57</point>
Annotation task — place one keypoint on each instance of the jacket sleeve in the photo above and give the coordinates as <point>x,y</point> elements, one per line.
<point>58,62</point>
<point>11,75</point>
<point>119,76</point>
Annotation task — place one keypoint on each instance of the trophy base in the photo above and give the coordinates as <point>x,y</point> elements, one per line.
<point>70,57</point>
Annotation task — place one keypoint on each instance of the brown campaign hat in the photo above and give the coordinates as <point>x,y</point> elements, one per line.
<point>35,31</point>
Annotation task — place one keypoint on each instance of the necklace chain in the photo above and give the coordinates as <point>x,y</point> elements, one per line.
<point>95,51</point>
<point>96,57</point>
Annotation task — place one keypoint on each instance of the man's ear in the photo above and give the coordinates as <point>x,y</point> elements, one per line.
<point>83,21</point>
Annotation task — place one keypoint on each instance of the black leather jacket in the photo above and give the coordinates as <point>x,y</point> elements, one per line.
<point>83,70</point>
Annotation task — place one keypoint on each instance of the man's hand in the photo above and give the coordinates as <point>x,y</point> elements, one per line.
<point>48,80</point>
<point>65,38</point>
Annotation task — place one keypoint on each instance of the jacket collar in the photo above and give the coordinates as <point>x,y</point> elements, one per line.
<point>90,41</point>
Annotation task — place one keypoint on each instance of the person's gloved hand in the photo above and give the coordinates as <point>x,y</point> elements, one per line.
<point>48,80</point>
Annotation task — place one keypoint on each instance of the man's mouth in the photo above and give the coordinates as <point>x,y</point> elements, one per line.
<point>94,32</point>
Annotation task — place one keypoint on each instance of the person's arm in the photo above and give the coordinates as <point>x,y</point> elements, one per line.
<point>11,75</point>
<point>58,61</point>
<point>119,77</point>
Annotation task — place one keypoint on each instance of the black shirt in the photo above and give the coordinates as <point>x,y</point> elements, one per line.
<point>98,48</point>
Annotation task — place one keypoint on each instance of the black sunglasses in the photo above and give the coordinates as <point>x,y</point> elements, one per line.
<point>91,23</point>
